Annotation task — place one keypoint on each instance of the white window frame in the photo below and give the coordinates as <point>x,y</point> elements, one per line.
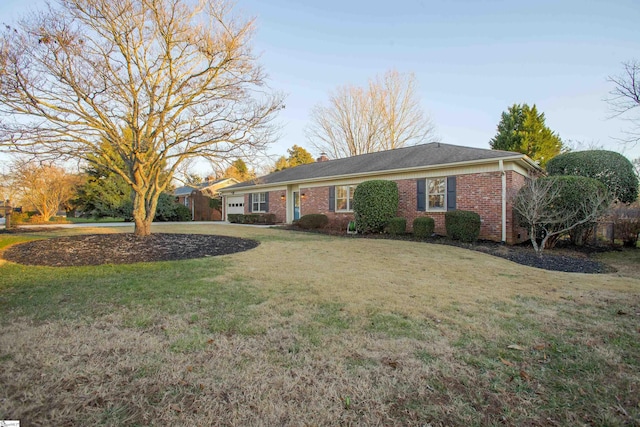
<point>259,202</point>
<point>429,193</point>
<point>349,189</point>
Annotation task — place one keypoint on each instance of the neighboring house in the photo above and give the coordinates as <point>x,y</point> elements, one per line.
<point>198,198</point>
<point>432,179</point>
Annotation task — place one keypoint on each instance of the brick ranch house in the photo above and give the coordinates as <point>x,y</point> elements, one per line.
<point>432,179</point>
<point>197,198</point>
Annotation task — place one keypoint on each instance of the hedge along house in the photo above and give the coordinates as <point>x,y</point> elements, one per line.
<point>432,179</point>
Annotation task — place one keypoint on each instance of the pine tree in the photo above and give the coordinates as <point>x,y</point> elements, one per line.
<point>523,129</point>
<point>297,156</point>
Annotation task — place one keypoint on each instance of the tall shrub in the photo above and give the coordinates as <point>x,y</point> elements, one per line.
<point>374,204</point>
<point>612,169</point>
<point>462,225</point>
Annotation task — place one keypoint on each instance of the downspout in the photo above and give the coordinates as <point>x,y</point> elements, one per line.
<point>503,176</point>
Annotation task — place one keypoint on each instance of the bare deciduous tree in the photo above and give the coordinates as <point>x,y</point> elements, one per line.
<point>537,204</point>
<point>384,116</point>
<point>45,188</point>
<point>160,81</point>
<point>625,99</point>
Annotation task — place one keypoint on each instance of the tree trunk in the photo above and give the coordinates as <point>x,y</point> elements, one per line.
<point>142,227</point>
<point>142,215</point>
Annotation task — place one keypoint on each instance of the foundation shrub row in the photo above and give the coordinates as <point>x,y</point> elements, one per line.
<point>252,218</point>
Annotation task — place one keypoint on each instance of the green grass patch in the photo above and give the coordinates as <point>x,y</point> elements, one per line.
<point>46,293</point>
<point>94,220</point>
<point>398,326</point>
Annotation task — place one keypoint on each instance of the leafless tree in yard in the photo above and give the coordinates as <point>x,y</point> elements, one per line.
<point>625,99</point>
<point>161,81</point>
<point>384,116</point>
<point>43,187</point>
<point>537,204</point>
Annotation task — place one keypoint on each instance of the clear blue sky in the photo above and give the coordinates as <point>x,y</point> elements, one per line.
<point>472,59</point>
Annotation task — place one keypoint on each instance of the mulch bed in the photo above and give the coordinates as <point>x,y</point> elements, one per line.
<point>123,248</point>
<point>566,259</point>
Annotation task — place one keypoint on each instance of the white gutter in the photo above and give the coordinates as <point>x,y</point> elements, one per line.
<point>504,201</point>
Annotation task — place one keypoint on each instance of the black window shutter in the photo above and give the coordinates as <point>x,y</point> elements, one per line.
<point>250,203</point>
<point>332,199</point>
<point>266,202</point>
<point>421,196</point>
<point>451,193</point>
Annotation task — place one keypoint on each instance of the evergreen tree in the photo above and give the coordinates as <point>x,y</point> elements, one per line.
<point>297,156</point>
<point>239,170</point>
<point>103,194</point>
<point>523,129</point>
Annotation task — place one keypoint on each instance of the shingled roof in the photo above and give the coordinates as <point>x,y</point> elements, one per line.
<point>417,156</point>
<point>188,189</point>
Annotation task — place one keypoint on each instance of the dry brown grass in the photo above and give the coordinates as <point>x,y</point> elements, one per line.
<point>340,332</point>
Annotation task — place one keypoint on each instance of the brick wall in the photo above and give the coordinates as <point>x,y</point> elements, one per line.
<point>316,200</point>
<point>277,206</point>
<point>481,193</point>
<point>202,211</point>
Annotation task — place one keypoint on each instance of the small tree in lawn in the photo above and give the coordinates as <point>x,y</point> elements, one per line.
<point>374,204</point>
<point>553,206</point>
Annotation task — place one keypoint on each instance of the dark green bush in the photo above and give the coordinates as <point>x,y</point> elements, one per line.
<point>462,225</point>
<point>235,218</point>
<point>182,213</point>
<point>396,226</point>
<point>423,226</point>
<point>313,221</point>
<point>170,210</point>
<point>374,204</point>
<point>266,218</point>
<point>571,199</point>
<point>250,218</point>
<point>612,169</point>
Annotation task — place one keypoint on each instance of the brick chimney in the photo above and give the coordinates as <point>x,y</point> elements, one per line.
<point>323,158</point>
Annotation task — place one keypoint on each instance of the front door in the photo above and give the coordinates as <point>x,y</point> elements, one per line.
<point>296,205</point>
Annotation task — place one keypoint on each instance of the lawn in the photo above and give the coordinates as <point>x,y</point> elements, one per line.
<point>316,330</point>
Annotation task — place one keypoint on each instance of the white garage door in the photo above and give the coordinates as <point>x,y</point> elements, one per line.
<point>235,205</point>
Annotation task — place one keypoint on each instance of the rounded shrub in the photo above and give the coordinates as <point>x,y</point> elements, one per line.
<point>570,204</point>
<point>182,213</point>
<point>374,204</point>
<point>423,226</point>
<point>612,169</point>
<point>313,221</point>
<point>462,225</point>
<point>396,226</point>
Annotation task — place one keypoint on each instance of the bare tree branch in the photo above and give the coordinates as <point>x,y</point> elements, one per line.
<point>537,204</point>
<point>384,116</point>
<point>624,99</point>
<point>142,84</point>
